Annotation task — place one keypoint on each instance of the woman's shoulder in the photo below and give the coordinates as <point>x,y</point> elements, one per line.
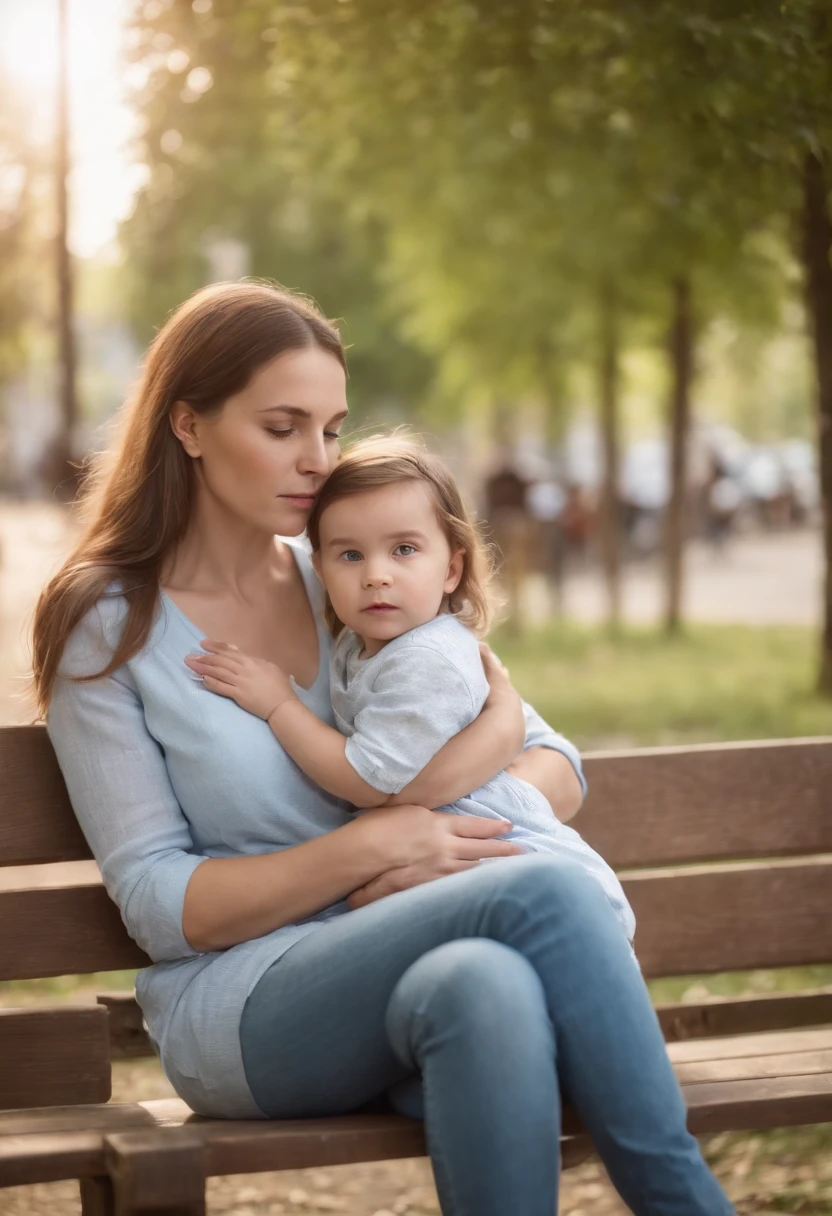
<point>92,642</point>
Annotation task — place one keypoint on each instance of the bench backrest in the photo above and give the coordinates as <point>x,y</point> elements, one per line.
<point>726,852</point>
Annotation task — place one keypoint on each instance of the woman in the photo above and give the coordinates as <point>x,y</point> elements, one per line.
<point>284,985</point>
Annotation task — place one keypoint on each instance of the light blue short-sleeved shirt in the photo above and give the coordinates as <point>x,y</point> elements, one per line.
<point>163,774</point>
<point>401,705</point>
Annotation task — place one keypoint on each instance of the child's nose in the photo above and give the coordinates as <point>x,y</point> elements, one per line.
<point>377,578</point>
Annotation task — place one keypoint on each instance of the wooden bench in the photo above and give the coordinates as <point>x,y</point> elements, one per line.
<point>728,859</point>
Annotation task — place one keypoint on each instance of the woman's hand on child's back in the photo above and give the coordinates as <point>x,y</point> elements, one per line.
<point>503,697</point>
<point>255,684</point>
<point>416,845</point>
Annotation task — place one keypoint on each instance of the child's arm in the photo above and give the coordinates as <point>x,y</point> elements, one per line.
<point>264,689</point>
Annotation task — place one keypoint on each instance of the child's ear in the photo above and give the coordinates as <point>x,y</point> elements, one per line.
<point>454,574</point>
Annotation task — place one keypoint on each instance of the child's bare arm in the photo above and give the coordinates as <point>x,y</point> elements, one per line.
<point>264,689</point>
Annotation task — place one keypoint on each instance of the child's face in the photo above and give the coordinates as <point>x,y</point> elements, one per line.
<point>386,562</point>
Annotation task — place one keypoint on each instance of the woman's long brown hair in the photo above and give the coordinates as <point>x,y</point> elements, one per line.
<point>139,495</point>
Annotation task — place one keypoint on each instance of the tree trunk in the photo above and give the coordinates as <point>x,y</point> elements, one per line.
<point>817,243</point>
<point>610,522</point>
<point>551,375</point>
<point>64,472</point>
<point>681,359</point>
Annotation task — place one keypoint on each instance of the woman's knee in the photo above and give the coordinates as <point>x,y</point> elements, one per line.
<point>474,986</point>
<point>555,886</point>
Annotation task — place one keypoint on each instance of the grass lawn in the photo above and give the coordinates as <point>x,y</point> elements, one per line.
<point>641,688</point>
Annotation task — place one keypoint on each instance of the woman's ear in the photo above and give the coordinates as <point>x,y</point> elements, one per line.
<point>454,574</point>
<point>183,423</point>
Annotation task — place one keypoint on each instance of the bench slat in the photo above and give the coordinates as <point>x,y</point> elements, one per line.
<point>732,918</point>
<point>679,1022</point>
<point>712,803</point>
<point>648,807</point>
<point>744,1046</point>
<point>37,824</point>
<point>753,1068</point>
<point>54,1057</point>
<point>723,1106</point>
<point>63,931</point>
<point>249,1147</point>
<point>743,1015</point>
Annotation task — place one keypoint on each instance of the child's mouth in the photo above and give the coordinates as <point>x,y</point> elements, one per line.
<point>379,608</point>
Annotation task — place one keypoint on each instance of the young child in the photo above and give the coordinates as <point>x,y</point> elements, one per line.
<point>405,573</point>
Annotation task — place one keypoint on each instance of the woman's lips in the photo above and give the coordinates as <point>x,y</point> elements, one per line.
<point>304,501</point>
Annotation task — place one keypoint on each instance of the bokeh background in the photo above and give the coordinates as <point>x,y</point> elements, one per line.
<point>582,246</point>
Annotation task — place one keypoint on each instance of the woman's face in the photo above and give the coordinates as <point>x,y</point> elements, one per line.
<point>264,455</point>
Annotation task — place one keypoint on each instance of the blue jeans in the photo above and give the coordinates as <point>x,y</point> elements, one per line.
<point>478,1000</point>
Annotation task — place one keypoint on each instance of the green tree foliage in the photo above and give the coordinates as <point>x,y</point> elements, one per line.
<point>219,168</point>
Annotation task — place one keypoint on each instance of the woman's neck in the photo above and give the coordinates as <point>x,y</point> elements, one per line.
<point>220,553</point>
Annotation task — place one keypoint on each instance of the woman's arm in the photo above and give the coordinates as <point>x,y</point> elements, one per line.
<point>233,899</point>
<point>553,773</point>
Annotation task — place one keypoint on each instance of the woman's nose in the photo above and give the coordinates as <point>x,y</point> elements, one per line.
<point>315,457</point>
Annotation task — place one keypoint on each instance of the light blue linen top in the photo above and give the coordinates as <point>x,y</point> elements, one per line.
<point>163,774</point>
<point>400,706</point>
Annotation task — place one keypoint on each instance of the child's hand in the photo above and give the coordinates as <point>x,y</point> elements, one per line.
<point>255,684</point>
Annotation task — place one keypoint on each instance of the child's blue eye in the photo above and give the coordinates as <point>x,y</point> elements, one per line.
<point>410,549</point>
<point>351,555</point>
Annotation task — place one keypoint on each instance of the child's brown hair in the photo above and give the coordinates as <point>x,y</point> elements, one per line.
<point>389,460</point>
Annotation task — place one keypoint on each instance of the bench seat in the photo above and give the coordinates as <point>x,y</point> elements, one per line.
<point>742,1082</point>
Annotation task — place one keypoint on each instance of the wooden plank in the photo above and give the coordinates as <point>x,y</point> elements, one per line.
<point>645,807</point>
<point>129,1039</point>
<point>156,1172</point>
<point>717,802</point>
<point>54,1057</point>
<point>690,921</point>
<point>36,819</point>
<point>751,1068</point>
<point>53,1145</point>
<point>63,931</point>
<point>720,1106</point>
<point>679,1021</point>
<point>748,1045</point>
<point>744,1015</point>
<point>50,1157</point>
<point>66,1120</point>
<point>732,918</point>
<point>248,1146</point>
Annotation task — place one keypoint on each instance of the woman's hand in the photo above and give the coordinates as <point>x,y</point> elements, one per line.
<point>255,684</point>
<point>504,699</point>
<point>422,845</point>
